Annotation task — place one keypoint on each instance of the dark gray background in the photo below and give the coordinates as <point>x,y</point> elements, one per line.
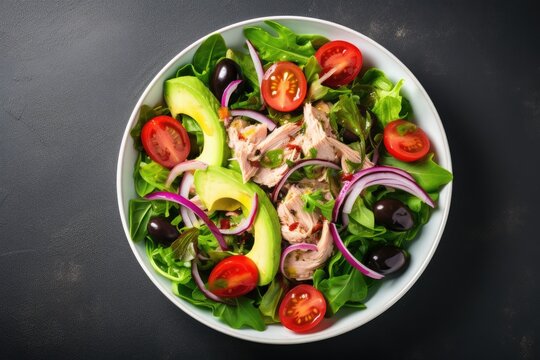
<point>70,74</point>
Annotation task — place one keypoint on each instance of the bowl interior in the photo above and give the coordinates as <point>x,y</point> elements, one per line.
<point>421,249</point>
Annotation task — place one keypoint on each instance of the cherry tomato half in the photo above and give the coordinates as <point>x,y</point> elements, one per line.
<point>233,276</point>
<point>342,56</point>
<point>302,308</point>
<point>166,141</point>
<point>284,86</point>
<point>405,141</point>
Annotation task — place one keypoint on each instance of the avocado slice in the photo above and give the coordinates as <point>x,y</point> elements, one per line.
<point>223,189</point>
<point>188,95</point>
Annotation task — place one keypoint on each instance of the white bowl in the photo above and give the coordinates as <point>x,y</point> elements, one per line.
<point>421,249</point>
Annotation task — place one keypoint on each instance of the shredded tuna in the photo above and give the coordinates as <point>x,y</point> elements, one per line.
<point>301,265</point>
<point>291,211</point>
<point>243,139</point>
<point>315,136</point>
<point>277,139</point>
<point>270,177</point>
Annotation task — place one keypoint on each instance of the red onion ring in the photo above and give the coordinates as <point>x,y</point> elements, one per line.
<point>291,248</point>
<point>385,178</point>
<point>255,116</point>
<point>190,219</point>
<point>345,189</point>
<point>349,257</point>
<point>233,85</point>
<point>258,66</point>
<point>247,222</point>
<point>183,167</point>
<point>298,165</point>
<point>168,196</point>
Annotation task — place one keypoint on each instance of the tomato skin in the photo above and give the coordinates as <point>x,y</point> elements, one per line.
<point>284,86</point>
<point>166,141</point>
<point>302,308</point>
<point>233,276</point>
<point>342,55</point>
<point>405,141</point>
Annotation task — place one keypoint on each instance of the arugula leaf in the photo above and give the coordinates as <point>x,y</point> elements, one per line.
<point>195,134</point>
<point>285,46</point>
<point>312,69</point>
<point>427,173</point>
<point>316,40</point>
<point>316,200</point>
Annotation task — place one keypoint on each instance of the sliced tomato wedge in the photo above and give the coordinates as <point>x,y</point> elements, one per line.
<point>233,276</point>
<point>302,308</point>
<point>405,141</point>
<point>166,141</point>
<point>284,86</point>
<point>342,58</point>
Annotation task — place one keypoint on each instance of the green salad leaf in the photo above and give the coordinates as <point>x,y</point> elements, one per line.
<point>427,173</point>
<point>284,46</point>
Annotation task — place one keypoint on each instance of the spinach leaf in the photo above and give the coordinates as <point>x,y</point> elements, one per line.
<point>140,213</point>
<point>195,134</point>
<point>271,299</point>
<point>142,188</point>
<point>246,65</point>
<point>211,50</point>
<point>427,173</point>
<point>242,314</point>
<point>285,46</point>
<point>342,289</point>
<point>206,56</point>
<point>154,174</point>
<point>312,69</point>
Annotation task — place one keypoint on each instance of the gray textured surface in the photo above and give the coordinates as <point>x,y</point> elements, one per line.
<point>70,73</point>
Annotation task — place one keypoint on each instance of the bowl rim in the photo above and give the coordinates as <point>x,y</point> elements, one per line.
<point>329,332</point>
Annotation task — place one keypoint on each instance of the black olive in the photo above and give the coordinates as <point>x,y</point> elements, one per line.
<point>226,70</point>
<point>387,259</point>
<point>393,214</point>
<point>161,231</point>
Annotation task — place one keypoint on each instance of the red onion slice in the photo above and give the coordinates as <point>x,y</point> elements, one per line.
<point>258,66</point>
<point>183,167</point>
<point>255,116</point>
<point>202,286</point>
<point>168,196</point>
<point>356,177</point>
<point>385,178</point>
<point>233,85</point>
<point>187,215</point>
<point>298,165</point>
<point>247,222</point>
<point>291,248</point>
<point>349,257</point>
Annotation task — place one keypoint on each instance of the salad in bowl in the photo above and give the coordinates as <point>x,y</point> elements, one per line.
<point>284,180</point>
